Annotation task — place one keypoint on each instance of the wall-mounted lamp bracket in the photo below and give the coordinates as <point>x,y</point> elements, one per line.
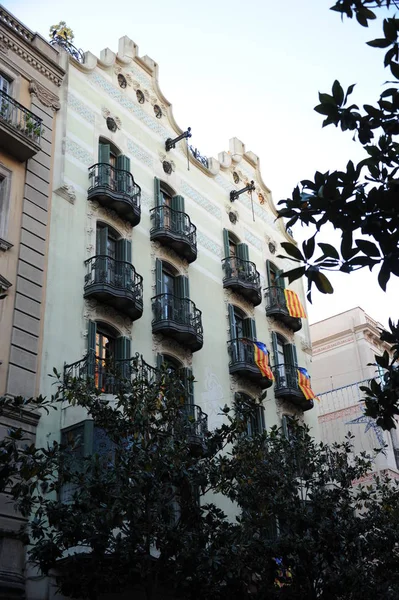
<point>169,144</point>
<point>234,194</point>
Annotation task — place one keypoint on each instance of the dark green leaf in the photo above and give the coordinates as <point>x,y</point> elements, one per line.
<point>292,250</point>
<point>367,247</point>
<point>328,250</point>
<point>383,276</point>
<point>338,92</point>
<point>379,43</point>
<point>322,283</point>
<point>294,274</point>
<point>394,69</point>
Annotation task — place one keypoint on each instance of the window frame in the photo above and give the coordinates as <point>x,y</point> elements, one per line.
<point>5,191</point>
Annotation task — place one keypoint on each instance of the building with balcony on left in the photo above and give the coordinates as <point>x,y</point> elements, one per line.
<point>30,78</point>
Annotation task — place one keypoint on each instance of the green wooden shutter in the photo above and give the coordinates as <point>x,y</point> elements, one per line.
<point>226,243</point>
<point>187,379</point>
<point>269,269</point>
<point>158,276</point>
<point>262,424</point>
<point>157,192</point>
<point>242,251</point>
<point>280,281</point>
<point>178,203</point>
<point>290,355</point>
<point>232,321</point>
<point>274,346</point>
<point>123,250</point>
<point>182,287</point>
<point>122,355</point>
<point>91,348</point>
<point>81,436</point>
<point>123,175</point>
<point>284,423</point>
<point>160,361</point>
<point>101,240</point>
<point>249,328</point>
<point>104,153</point>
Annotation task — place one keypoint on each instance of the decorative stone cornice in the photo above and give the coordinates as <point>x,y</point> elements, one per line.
<point>164,345</point>
<point>4,245</point>
<point>44,95</point>
<point>67,192</point>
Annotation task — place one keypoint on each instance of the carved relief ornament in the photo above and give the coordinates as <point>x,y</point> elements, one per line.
<point>46,97</point>
<point>94,310</point>
<point>246,307</point>
<point>169,255</point>
<point>238,385</point>
<point>164,345</point>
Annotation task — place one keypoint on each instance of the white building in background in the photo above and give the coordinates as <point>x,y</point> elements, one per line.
<point>343,345</point>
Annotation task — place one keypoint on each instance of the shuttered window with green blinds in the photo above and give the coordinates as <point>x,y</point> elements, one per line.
<point>274,275</point>
<point>226,243</point>
<point>186,375</point>
<point>123,250</point>
<point>274,347</point>
<point>290,354</point>
<point>249,328</point>
<point>178,203</point>
<point>104,153</point>
<point>101,240</point>
<point>232,322</point>
<point>91,348</point>
<point>182,286</point>
<point>158,277</point>
<point>123,173</point>
<point>157,192</point>
<point>242,251</point>
<point>122,356</point>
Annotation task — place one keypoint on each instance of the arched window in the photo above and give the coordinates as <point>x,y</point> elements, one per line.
<point>186,375</point>
<point>108,356</point>
<point>256,422</point>
<point>113,168</point>
<point>273,275</point>
<point>285,360</point>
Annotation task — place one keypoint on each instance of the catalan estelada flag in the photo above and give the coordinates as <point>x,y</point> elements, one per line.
<point>294,305</point>
<point>262,360</point>
<point>304,384</point>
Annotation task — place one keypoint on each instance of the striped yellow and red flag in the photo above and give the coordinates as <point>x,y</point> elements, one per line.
<point>304,385</point>
<point>262,360</point>
<point>294,305</point>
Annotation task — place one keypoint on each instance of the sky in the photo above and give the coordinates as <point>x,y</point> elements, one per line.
<point>250,70</point>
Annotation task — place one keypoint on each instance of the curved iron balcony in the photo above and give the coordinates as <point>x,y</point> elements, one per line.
<point>286,386</point>
<point>116,283</point>
<point>20,129</point>
<point>242,362</point>
<point>174,229</point>
<point>195,427</point>
<point>276,307</point>
<point>179,319</point>
<point>241,276</point>
<point>116,189</point>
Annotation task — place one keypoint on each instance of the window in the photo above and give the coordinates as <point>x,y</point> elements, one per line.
<point>171,289</point>
<point>273,275</point>
<point>4,84</point>
<point>86,439</point>
<point>108,357</point>
<point>118,177</point>
<point>5,181</point>
<point>285,362</point>
<point>171,209</point>
<point>242,332</point>
<point>256,422</point>
<point>238,255</point>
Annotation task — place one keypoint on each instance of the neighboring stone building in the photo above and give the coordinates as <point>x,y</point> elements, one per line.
<point>343,346</point>
<point>29,82</point>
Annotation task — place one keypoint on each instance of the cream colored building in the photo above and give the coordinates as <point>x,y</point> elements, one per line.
<point>343,346</point>
<point>149,256</point>
<point>30,77</point>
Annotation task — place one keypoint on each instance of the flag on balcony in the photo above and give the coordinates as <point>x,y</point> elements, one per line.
<point>262,360</point>
<point>304,384</point>
<point>294,305</point>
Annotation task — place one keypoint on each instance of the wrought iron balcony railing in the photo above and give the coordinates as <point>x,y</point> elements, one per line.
<point>242,361</point>
<point>286,386</point>
<point>114,282</point>
<point>276,306</point>
<point>22,129</point>
<point>242,276</point>
<point>115,188</point>
<point>179,318</point>
<point>110,376</point>
<point>175,229</point>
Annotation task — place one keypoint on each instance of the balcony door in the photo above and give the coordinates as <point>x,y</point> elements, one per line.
<point>171,209</point>
<point>108,356</point>
<point>112,254</point>
<point>285,361</point>
<point>113,168</point>
<point>173,293</point>
<point>238,255</point>
<point>242,334</point>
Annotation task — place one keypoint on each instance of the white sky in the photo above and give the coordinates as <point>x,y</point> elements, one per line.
<point>250,70</point>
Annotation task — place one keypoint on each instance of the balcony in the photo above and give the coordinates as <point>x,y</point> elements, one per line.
<point>242,362</point>
<point>287,388</point>
<point>115,283</point>
<point>174,229</point>
<point>178,318</point>
<point>114,376</point>
<point>242,277</point>
<point>115,189</point>
<point>20,129</point>
<point>276,306</point>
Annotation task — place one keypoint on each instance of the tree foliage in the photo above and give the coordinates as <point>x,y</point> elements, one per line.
<point>141,511</point>
<point>360,202</point>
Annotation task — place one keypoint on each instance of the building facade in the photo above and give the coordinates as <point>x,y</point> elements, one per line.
<point>149,252</point>
<point>343,348</point>
<point>30,78</point>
